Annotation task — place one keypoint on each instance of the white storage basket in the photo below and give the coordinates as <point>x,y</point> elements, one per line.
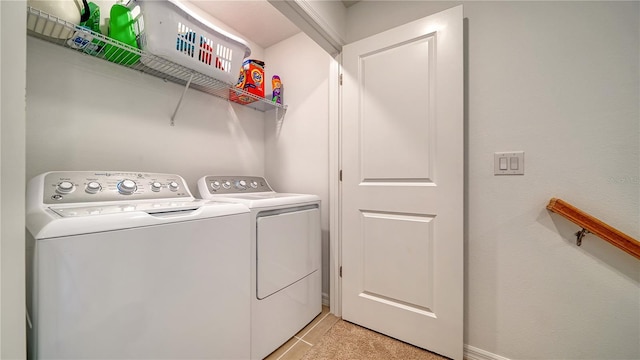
<point>174,32</point>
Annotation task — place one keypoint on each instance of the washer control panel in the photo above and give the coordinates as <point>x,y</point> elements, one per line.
<point>236,184</point>
<point>88,186</point>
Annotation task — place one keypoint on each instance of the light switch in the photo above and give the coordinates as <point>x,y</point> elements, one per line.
<point>508,163</point>
<point>513,163</point>
<point>503,163</point>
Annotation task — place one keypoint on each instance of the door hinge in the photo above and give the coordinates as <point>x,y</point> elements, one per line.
<point>340,175</point>
<point>340,79</point>
<point>340,271</point>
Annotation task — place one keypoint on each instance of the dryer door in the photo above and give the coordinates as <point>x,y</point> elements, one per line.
<point>287,247</point>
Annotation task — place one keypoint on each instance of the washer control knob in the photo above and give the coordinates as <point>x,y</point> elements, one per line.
<point>93,187</point>
<point>241,185</point>
<point>173,186</point>
<point>156,186</point>
<point>65,187</point>
<point>253,184</point>
<point>127,187</point>
<point>226,185</point>
<point>215,185</point>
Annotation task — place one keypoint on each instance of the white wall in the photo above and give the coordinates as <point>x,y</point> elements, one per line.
<point>12,163</point>
<point>88,114</point>
<point>296,147</point>
<point>559,80</point>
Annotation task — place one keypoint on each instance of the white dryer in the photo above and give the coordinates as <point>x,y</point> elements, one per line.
<point>130,266</point>
<point>286,288</point>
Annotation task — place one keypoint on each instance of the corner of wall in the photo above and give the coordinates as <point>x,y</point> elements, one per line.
<point>12,179</point>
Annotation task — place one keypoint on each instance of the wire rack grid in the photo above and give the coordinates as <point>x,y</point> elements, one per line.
<point>58,31</point>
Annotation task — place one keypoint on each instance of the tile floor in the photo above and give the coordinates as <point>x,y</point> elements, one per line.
<point>297,346</point>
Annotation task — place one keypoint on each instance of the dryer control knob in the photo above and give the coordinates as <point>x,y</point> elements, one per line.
<point>65,187</point>
<point>127,187</point>
<point>226,185</point>
<point>241,185</point>
<point>93,187</point>
<point>156,186</point>
<point>173,186</point>
<point>215,185</point>
<point>253,184</point>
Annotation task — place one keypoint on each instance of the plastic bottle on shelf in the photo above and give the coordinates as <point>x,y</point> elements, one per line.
<point>276,85</point>
<point>93,23</point>
<point>72,11</point>
<point>85,40</point>
<point>121,28</point>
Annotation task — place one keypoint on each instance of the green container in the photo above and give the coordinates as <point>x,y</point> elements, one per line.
<point>121,29</point>
<point>93,23</point>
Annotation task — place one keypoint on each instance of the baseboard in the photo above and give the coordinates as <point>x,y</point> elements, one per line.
<point>325,299</point>
<point>473,353</point>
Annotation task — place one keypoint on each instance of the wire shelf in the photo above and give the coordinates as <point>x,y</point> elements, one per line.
<point>58,31</point>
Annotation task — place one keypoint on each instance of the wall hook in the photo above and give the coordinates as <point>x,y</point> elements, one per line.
<point>580,234</point>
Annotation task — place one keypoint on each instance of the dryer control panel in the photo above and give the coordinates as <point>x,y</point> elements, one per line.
<point>63,187</point>
<point>236,184</point>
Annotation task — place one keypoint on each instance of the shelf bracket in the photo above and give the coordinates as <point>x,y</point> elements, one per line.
<point>173,117</point>
<point>580,234</point>
<point>280,112</point>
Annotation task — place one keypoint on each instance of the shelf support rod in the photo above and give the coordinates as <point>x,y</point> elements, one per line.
<point>173,117</point>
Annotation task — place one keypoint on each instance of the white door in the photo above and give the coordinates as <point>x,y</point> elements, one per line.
<point>402,189</point>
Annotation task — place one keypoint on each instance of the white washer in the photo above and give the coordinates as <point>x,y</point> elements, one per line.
<point>131,266</point>
<point>286,289</point>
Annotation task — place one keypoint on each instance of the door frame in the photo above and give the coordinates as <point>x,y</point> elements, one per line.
<point>335,189</point>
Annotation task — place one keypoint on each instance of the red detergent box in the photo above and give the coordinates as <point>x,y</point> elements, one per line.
<point>251,80</point>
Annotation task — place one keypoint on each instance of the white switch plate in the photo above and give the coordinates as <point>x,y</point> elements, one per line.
<point>514,161</point>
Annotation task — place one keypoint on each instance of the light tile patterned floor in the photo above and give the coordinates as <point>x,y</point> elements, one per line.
<point>298,345</point>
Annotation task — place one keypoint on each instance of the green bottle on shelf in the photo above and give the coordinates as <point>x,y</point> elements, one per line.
<point>93,23</point>
<point>121,26</point>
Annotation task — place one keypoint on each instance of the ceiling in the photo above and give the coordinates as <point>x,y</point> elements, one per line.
<point>255,20</point>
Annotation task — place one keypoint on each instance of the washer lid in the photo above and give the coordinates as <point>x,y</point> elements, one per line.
<point>148,207</point>
<point>77,220</point>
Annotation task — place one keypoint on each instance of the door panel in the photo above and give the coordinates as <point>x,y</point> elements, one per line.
<point>406,149</point>
<point>402,190</point>
<point>408,256</point>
